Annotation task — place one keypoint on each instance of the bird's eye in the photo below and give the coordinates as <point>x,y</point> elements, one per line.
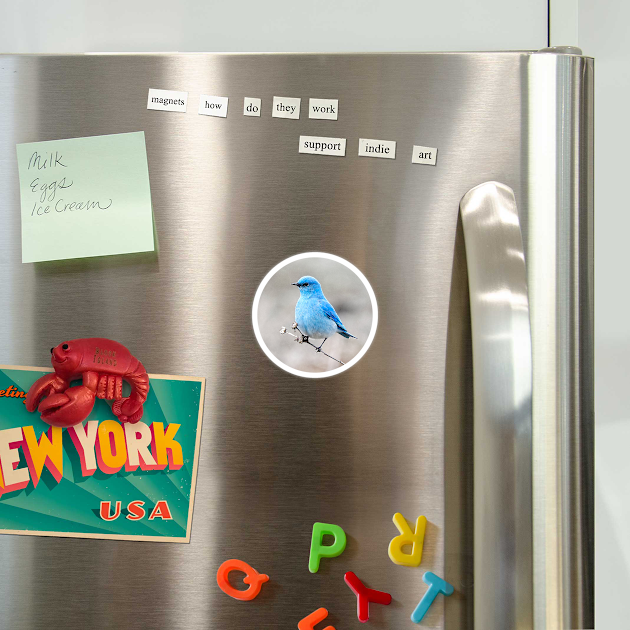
<point>65,346</point>
<point>305,284</point>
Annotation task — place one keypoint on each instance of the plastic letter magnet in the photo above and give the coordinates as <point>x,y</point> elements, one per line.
<point>252,577</point>
<point>308,623</point>
<point>319,551</point>
<point>365,596</point>
<point>407,537</point>
<point>436,586</point>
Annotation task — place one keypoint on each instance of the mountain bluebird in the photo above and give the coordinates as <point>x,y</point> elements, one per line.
<point>314,314</point>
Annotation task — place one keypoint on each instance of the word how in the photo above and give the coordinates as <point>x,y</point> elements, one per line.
<point>136,511</point>
<point>252,577</point>
<point>108,447</point>
<point>213,106</point>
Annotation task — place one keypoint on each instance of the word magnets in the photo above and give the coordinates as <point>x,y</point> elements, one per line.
<point>309,623</point>
<point>407,537</point>
<point>252,577</point>
<point>436,586</point>
<point>365,596</point>
<point>319,550</point>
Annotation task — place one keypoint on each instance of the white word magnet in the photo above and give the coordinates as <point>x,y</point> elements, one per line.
<point>213,105</point>
<point>377,148</point>
<point>322,146</point>
<point>167,100</point>
<point>251,106</point>
<point>423,155</point>
<point>285,107</point>
<point>323,108</point>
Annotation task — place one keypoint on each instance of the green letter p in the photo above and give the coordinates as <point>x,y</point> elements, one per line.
<point>319,551</point>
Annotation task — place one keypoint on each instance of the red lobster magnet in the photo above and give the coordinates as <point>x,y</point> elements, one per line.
<point>102,364</point>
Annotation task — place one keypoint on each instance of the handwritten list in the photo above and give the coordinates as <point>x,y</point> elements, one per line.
<point>84,197</point>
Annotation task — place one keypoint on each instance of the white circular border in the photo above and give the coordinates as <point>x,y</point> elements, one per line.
<point>341,368</point>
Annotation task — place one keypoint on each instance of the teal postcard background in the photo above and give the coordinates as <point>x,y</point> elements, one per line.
<point>72,505</point>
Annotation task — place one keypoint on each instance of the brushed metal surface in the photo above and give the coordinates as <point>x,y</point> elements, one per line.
<point>560,273</point>
<point>232,198</point>
<point>502,372</point>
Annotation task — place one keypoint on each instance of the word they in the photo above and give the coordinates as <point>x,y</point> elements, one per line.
<point>285,107</point>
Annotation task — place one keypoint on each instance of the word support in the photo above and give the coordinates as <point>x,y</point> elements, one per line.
<point>322,146</point>
<point>213,105</point>
<point>286,107</point>
<point>323,108</point>
<point>167,100</point>
<point>377,148</point>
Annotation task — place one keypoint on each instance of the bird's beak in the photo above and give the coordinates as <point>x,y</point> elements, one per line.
<point>295,284</point>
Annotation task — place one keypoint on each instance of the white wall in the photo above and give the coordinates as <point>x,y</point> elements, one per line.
<point>603,28</point>
<point>282,25</point>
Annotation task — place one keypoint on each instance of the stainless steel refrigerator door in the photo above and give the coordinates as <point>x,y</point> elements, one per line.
<point>231,199</point>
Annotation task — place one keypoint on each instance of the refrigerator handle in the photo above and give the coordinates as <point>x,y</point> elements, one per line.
<point>502,375</point>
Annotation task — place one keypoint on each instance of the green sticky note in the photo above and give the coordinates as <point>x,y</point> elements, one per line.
<point>85,197</point>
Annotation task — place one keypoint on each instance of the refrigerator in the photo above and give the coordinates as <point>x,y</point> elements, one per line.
<point>458,189</point>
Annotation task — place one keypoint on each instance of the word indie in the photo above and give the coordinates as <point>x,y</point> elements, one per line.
<point>107,446</point>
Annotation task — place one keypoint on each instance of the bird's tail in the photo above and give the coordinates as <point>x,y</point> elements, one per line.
<point>346,334</point>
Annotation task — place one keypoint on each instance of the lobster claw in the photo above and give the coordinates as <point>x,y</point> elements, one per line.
<point>127,410</point>
<point>68,408</point>
<point>43,386</point>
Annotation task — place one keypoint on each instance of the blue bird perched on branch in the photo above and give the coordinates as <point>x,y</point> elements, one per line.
<point>314,315</point>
